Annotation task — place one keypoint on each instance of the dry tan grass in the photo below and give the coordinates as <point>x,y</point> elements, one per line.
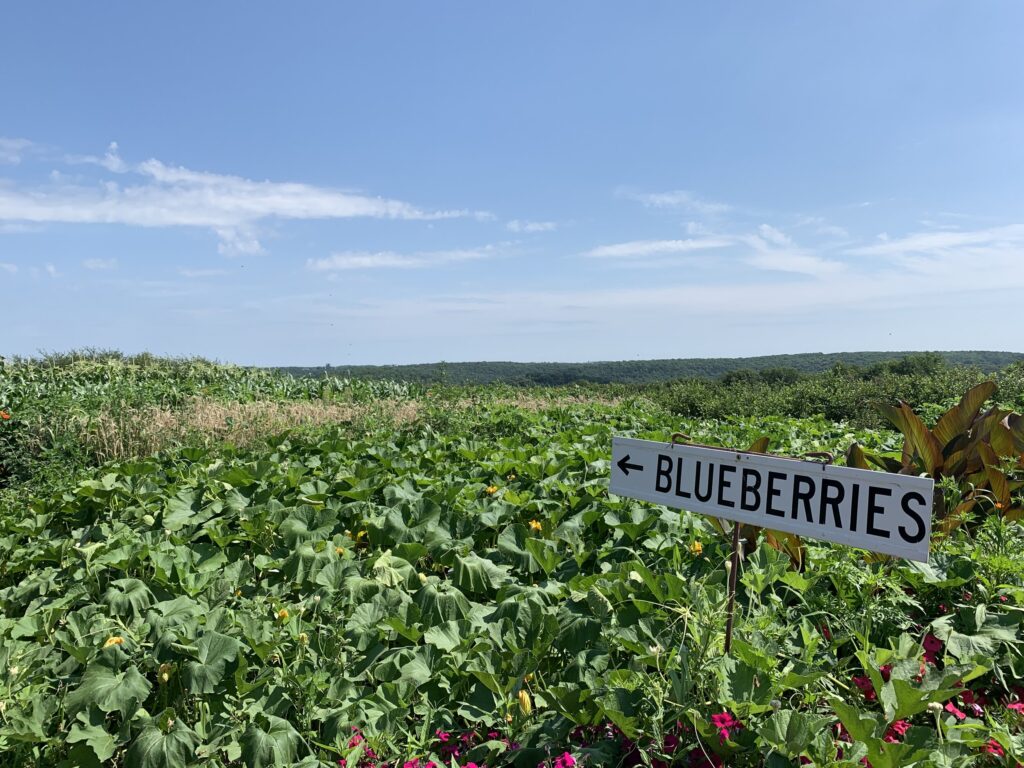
<point>128,433</point>
<point>138,432</point>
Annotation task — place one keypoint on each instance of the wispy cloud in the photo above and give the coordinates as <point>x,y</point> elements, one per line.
<point>647,248</point>
<point>531,226</point>
<point>198,273</point>
<point>774,250</point>
<point>160,195</point>
<point>12,150</point>
<point>348,260</point>
<point>944,242</point>
<point>10,269</point>
<point>677,199</point>
<point>100,264</point>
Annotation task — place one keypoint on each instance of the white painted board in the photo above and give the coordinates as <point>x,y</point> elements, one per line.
<point>877,511</point>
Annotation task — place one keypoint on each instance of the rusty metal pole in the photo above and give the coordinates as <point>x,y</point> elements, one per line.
<point>735,566</point>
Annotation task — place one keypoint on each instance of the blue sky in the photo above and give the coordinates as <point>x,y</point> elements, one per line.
<point>407,182</point>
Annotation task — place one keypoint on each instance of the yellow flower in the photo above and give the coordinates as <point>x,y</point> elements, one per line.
<point>536,526</point>
<point>697,548</point>
<point>529,677</point>
<point>303,638</point>
<point>339,550</point>
<point>511,477</point>
<point>282,614</point>
<point>525,703</point>
<point>115,640</point>
<point>238,593</point>
<point>360,535</point>
<point>164,674</point>
<point>490,490</point>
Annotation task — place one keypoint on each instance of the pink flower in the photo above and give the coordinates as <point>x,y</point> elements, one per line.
<point>951,708</point>
<point>412,763</point>
<point>896,731</point>
<point>942,607</point>
<point>725,722</point>
<point>1017,706</point>
<point>993,748</point>
<point>932,646</point>
<point>1003,598</point>
<point>864,683</point>
<point>885,669</point>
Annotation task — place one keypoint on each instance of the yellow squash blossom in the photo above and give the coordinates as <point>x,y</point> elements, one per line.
<point>525,703</point>
<point>282,614</point>
<point>536,526</point>
<point>115,640</point>
<point>697,548</point>
<point>490,490</point>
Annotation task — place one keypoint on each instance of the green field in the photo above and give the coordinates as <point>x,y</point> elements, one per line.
<point>206,565</point>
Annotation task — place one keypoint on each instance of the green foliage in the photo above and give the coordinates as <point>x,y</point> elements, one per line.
<point>767,368</point>
<point>227,607</point>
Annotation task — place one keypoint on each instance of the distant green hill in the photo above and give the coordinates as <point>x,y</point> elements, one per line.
<point>639,371</point>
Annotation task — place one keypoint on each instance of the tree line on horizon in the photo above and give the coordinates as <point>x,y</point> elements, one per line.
<point>767,368</point>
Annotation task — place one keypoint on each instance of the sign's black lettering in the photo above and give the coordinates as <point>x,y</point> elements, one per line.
<point>832,493</point>
<point>875,509</point>
<point>751,486</point>
<point>723,484</point>
<point>679,479</point>
<point>664,473</point>
<point>774,477</point>
<point>803,492</point>
<point>914,515</point>
<point>854,507</point>
<point>706,495</point>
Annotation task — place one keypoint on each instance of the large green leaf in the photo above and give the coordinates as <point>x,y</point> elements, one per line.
<point>791,733</point>
<point>214,653</point>
<point>164,742</point>
<point>109,690</point>
<point>269,742</point>
<point>89,729</point>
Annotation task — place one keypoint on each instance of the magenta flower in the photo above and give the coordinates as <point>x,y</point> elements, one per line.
<point>725,723</point>
<point>932,646</point>
<point>952,709</point>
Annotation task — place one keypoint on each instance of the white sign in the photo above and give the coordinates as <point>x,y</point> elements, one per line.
<point>879,511</point>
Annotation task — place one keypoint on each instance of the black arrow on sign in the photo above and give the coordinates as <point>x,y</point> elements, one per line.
<point>625,466</point>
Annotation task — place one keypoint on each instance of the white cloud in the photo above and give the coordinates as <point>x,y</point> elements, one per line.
<point>947,242</point>
<point>678,199</point>
<point>153,194</point>
<point>347,260</point>
<point>11,269</point>
<point>12,150</point>
<point>774,236</point>
<point>531,226</point>
<point>643,248</point>
<point>51,270</point>
<point>775,251</point>
<point>238,242</point>
<point>100,264</point>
